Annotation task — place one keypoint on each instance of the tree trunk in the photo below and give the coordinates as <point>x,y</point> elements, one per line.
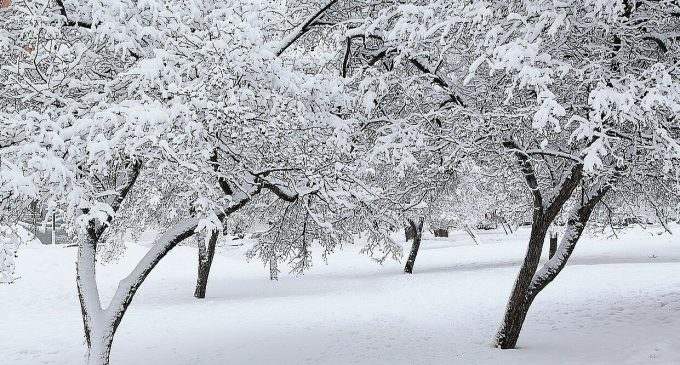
<point>86,282</point>
<point>100,325</point>
<point>273,268</point>
<point>417,229</point>
<point>54,228</point>
<point>98,343</point>
<point>529,282</point>
<point>519,303</point>
<point>544,214</point>
<point>205,259</point>
<point>99,350</point>
<point>553,245</point>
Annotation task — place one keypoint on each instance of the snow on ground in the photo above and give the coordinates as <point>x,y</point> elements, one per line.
<point>618,302</point>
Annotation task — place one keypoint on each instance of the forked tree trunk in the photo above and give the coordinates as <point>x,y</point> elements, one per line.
<point>100,324</point>
<point>206,253</point>
<point>529,282</point>
<point>417,229</point>
<point>544,213</point>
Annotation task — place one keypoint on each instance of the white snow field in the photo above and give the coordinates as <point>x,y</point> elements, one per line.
<point>617,302</point>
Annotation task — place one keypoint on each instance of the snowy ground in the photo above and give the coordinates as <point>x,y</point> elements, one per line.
<point>618,302</point>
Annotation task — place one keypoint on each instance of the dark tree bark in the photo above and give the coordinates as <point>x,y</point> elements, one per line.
<point>509,333</point>
<point>205,259</point>
<point>441,232</point>
<point>553,245</point>
<point>417,229</point>
<point>544,214</point>
<point>518,304</point>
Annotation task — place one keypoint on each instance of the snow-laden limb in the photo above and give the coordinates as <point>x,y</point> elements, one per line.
<point>547,152</point>
<point>278,187</point>
<point>162,245</point>
<point>303,28</point>
<point>555,264</point>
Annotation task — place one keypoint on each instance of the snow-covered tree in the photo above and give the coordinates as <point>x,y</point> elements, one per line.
<point>114,112</point>
<point>583,95</point>
<point>327,120</point>
<point>594,94</point>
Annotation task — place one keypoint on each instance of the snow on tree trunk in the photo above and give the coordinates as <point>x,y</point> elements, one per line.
<point>575,225</point>
<point>101,324</point>
<point>99,351</point>
<point>529,282</point>
<point>544,213</point>
<point>206,253</point>
<point>417,229</point>
<point>519,303</point>
<point>86,281</point>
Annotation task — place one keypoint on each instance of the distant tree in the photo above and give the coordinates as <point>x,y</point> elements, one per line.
<point>9,244</point>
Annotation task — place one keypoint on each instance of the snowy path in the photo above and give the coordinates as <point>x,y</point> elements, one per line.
<point>617,303</point>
